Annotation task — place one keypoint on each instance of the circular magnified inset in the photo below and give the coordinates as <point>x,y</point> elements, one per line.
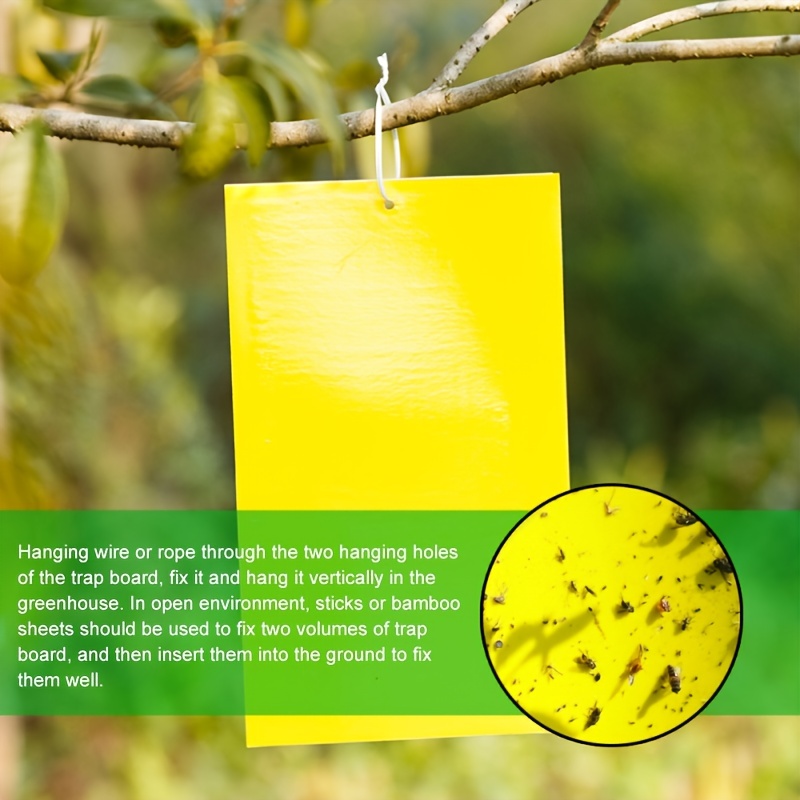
<point>611,615</point>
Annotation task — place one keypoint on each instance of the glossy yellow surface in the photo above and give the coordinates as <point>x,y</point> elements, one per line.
<point>410,359</point>
<point>593,598</point>
<point>403,359</point>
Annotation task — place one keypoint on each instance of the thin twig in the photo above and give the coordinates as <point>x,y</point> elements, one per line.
<point>599,24</point>
<point>675,17</point>
<point>89,59</point>
<point>504,15</point>
<point>419,108</point>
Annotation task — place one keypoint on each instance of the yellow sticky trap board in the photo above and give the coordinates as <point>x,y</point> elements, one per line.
<point>404,359</point>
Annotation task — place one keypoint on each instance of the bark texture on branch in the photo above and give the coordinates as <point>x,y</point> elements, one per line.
<point>504,16</point>
<point>68,124</point>
<point>701,11</point>
<point>600,22</point>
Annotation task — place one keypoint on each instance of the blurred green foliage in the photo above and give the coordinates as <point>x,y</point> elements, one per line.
<point>720,758</point>
<point>681,236</point>
<point>32,204</point>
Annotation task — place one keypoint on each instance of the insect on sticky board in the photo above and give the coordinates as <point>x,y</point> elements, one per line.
<point>683,517</point>
<point>609,509</point>
<point>597,622</point>
<point>500,599</point>
<point>593,717</point>
<point>674,678</point>
<point>549,670</point>
<point>723,566</point>
<point>636,665</point>
<point>586,661</point>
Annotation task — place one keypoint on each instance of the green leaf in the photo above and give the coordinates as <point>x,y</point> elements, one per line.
<point>95,40</point>
<point>253,105</point>
<point>118,89</point>
<point>275,89</point>
<point>173,33</point>
<point>33,204</point>
<point>308,84</point>
<point>211,144</point>
<point>129,9</point>
<point>60,65</point>
<point>13,88</point>
<point>119,92</point>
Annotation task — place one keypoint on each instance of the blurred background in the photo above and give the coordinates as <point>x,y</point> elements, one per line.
<point>681,235</point>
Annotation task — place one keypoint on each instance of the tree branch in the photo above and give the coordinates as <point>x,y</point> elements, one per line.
<point>429,105</point>
<point>421,107</point>
<point>599,24</point>
<point>679,15</point>
<point>67,124</point>
<point>504,15</point>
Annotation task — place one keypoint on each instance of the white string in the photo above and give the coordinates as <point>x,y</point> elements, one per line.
<point>383,97</point>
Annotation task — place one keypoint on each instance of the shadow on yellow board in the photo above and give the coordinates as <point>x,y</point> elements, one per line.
<point>403,359</point>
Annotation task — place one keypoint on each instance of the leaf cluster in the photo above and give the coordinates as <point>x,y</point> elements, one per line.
<point>224,65</point>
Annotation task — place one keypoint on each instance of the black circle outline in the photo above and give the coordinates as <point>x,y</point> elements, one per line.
<point>605,486</point>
